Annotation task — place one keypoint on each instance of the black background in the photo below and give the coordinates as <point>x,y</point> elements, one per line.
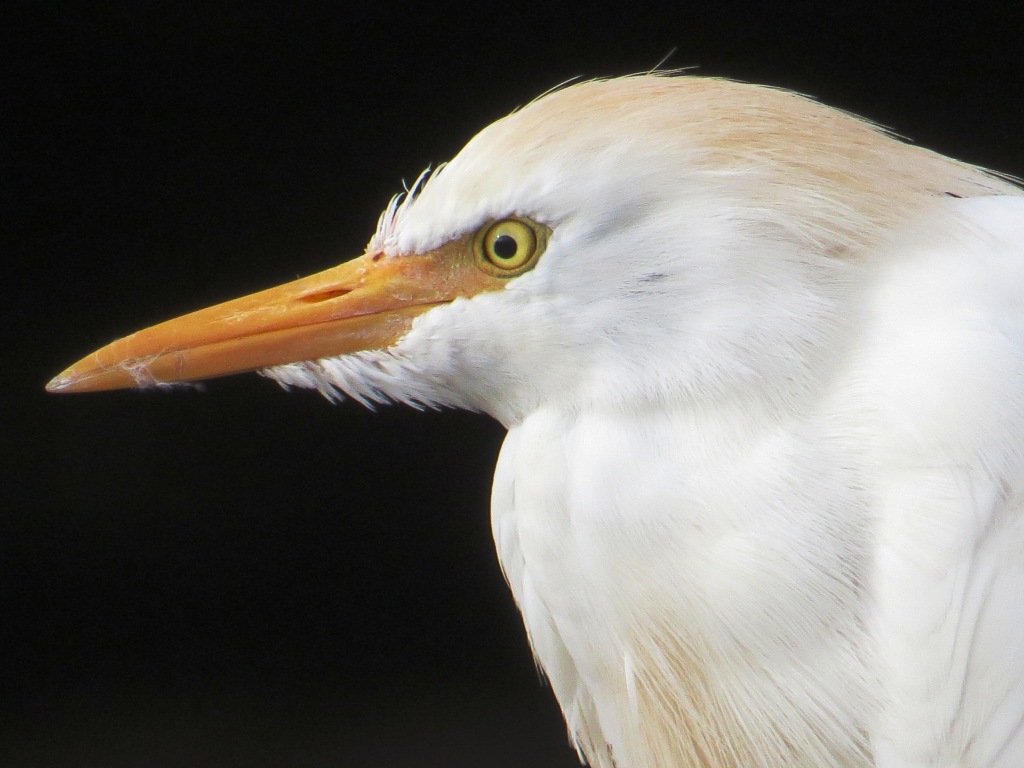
<point>239,576</point>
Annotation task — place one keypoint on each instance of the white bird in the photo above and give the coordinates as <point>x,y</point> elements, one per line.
<point>762,370</point>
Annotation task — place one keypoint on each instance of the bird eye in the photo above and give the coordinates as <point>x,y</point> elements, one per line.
<point>510,245</point>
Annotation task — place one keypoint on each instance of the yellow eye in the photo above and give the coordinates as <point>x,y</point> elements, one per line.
<point>510,246</point>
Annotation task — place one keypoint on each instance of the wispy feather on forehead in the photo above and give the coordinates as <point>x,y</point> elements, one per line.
<point>384,235</point>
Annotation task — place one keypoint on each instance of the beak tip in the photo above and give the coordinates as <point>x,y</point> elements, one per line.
<point>74,379</point>
<point>62,382</point>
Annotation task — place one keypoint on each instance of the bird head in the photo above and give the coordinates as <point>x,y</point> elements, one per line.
<point>612,243</point>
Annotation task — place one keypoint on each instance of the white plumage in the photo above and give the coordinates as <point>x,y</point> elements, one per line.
<point>760,499</point>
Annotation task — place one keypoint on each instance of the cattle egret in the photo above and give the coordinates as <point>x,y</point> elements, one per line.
<point>761,369</point>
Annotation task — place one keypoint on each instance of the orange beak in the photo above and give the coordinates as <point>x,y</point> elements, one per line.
<point>367,303</point>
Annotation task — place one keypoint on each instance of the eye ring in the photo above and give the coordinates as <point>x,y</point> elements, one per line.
<point>509,247</point>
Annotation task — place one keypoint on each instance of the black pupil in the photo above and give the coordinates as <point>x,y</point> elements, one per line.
<point>505,246</point>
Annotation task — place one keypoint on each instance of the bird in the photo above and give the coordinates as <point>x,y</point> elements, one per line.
<point>761,367</point>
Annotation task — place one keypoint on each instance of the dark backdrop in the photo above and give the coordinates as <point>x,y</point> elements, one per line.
<point>242,577</point>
